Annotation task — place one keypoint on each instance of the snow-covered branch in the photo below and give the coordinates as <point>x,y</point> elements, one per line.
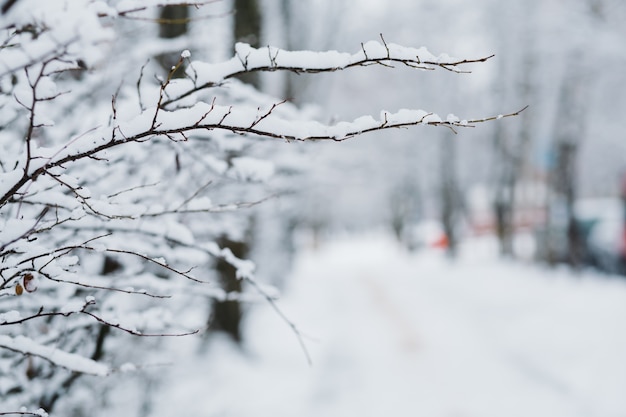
<point>203,116</point>
<point>73,362</point>
<point>270,59</point>
<point>37,413</point>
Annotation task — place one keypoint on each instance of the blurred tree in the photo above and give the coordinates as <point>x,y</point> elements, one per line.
<point>451,198</point>
<point>404,204</point>
<point>571,106</point>
<point>247,29</point>
<point>173,23</point>
<point>226,315</point>
<point>566,237</point>
<point>511,144</point>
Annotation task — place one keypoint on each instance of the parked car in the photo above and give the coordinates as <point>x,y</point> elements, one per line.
<point>606,242</point>
<point>602,228</point>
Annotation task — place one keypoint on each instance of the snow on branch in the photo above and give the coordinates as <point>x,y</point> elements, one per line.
<point>73,362</point>
<point>37,413</point>
<point>176,124</point>
<point>68,35</point>
<point>242,120</point>
<point>269,59</point>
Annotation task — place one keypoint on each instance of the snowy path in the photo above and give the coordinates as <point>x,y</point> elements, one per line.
<point>399,335</point>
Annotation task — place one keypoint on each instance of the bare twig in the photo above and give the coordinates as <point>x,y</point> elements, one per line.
<point>42,314</point>
<point>270,300</point>
<point>128,13</point>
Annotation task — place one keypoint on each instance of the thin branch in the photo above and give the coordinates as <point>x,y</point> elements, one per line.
<point>28,232</point>
<point>164,85</point>
<point>135,332</point>
<point>126,190</point>
<point>194,195</point>
<point>128,14</point>
<point>138,85</point>
<point>83,310</point>
<point>383,125</point>
<point>221,125</point>
<point>106,288</point>
<point>158,263</point>
<point>163,21</point>
<point>214,209</point>
<point>284,317</point>
<point>273,64</point>
<point>258,120</point>
<point>39,314</point>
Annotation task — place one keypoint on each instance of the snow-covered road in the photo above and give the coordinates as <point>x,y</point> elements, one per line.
<point>396,334</point>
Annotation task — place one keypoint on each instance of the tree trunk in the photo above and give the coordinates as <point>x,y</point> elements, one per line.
<point>568,132</point>
<point>248,30</point>
<point>511,150</point>
<point>512,141</point>
<point>226,314</point>
<point>451,200</point>
<point>564,186</point>
<point>504,194</point>
<point>173,22</point>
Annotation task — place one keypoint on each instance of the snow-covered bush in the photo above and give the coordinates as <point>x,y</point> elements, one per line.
<point>115,183</point>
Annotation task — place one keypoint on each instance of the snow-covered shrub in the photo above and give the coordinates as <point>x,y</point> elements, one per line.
<point>115,183</point>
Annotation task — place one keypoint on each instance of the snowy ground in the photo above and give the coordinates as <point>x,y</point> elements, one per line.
<point>397,334</point>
